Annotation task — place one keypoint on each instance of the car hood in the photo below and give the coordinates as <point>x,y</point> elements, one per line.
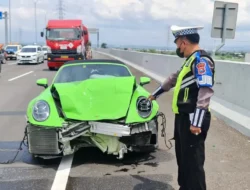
<point>96,99</point>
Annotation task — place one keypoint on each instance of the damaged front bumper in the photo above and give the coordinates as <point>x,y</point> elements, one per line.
<point>110,138</point>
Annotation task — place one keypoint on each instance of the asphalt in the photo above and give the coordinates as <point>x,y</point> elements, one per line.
<point>227,151</point>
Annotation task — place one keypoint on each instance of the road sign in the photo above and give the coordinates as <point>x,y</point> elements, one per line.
<point>93,30</point>
<point>224,20</point>
<point>1,15</point>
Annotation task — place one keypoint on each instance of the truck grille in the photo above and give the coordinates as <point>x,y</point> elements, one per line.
<point>42,141</point>
<point>64,51</point>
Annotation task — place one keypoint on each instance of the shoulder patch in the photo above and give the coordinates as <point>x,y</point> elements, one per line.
<point>203,73</point>
<point>201,68</point>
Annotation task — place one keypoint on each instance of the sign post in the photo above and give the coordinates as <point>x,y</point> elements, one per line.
<point>95,31</point>
<point>4,15</point>
<point>224,22</point>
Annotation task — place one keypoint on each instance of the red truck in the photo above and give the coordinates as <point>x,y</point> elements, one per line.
<point>66,40</point>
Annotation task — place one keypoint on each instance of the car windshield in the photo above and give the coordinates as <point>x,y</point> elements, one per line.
<point>11,48</point>
<point>30,50</point>
<point>63,34</point>
<point>90,71</point>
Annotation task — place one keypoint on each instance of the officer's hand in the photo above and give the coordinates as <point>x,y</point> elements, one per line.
<point>151,98</point>
<point>195,130</point>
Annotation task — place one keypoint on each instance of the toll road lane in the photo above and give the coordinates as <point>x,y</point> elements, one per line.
<point>12,70</point>
<point>49,177</point>
<point>227,159</point>
<point>16,92</point>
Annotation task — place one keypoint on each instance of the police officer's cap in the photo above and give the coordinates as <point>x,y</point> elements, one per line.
<point>183,31</point>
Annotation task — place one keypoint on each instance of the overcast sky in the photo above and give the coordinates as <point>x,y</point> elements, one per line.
<point>125,22</point>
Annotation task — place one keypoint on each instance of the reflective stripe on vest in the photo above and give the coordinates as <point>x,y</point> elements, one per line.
<point>180,83</point>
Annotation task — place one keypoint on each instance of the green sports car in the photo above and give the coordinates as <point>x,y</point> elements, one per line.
<point>92,103</point>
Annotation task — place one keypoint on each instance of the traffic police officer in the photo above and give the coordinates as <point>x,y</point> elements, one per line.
<point>193,89</point>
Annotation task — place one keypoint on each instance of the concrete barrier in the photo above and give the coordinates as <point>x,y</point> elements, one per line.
<point>232,89</point>
<point>247,57</point>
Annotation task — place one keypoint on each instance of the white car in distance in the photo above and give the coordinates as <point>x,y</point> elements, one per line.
<point>45,51</point>
<point>31,54</point>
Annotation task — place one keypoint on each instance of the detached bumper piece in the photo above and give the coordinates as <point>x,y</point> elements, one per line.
<point>109,129</point>
<point>110,138</point>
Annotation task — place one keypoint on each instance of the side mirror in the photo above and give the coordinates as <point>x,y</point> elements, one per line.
<point>144,80</point>
<point>42,34</point>
<point>42,82</point>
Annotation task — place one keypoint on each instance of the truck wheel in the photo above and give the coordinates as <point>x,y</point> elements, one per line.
<point>51,68</point>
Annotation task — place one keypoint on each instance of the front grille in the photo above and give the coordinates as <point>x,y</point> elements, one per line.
<point>25,56</point>
<point>42,140</point>
<point>64,51</point>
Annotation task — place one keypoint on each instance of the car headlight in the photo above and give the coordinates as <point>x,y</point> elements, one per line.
<point>144,107</point>
<point>41,110</point>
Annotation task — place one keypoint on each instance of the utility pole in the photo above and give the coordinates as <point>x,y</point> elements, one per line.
<point>10,18</point>
<point>60,9</point>
<point>35,1</point>
<point>20,35</point>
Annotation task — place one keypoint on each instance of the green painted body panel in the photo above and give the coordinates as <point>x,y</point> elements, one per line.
<point>96,99</point>
<point>53,120</point>
<point>133,116</point>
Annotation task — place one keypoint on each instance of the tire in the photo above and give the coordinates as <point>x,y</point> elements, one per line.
<point>51,68</point>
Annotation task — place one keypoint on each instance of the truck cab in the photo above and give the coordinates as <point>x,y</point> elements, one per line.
<point>66,40</point>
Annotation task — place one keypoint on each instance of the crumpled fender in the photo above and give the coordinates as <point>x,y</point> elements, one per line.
<point>133,116</point>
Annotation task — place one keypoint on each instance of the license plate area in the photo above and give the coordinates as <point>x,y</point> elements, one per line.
<point>64,57</point>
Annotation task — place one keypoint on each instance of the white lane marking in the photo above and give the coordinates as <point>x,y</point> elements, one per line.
<point>62,174</point>
<point>20,76</point>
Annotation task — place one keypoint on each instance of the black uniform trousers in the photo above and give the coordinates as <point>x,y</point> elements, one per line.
<point>190,152</point>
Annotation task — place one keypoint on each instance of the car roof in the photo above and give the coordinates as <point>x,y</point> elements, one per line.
<point>95,61</point>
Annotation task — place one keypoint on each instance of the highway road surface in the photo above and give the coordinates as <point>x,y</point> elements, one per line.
<point>227,151</point>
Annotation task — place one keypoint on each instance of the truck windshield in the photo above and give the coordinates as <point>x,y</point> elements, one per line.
<point>63,34</point>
